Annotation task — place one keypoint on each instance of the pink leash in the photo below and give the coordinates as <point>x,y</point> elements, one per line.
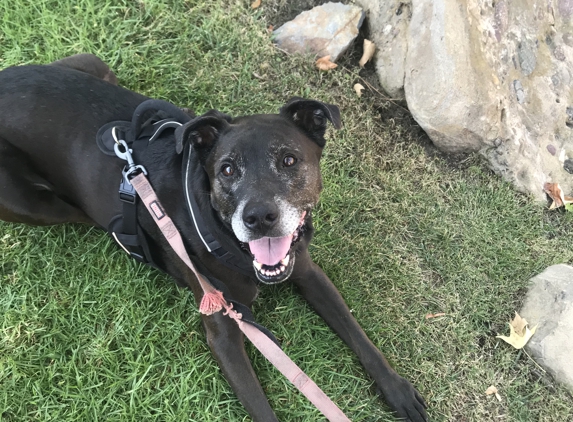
<point>213,301</point>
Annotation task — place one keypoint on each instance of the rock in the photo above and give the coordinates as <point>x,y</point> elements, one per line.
<point>551,149</point>
<point>519,92</point>
<point>475,72</point>
<point>549,303</point>
<point>324,30</point>
<point>445,92</point>
<point>527,57</point>
<point>391,19</point>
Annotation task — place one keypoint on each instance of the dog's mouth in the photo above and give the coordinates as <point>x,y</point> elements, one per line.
<point>273,257</point>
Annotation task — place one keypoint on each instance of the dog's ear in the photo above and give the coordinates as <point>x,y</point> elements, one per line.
<point>202,132</point>
<point>311,116</point>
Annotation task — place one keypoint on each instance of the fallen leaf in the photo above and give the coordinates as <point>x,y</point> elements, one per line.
<point>325,64</point>
<point>367,52</point>
<point>492,390</point>
<point>519,332</point>
<point>439,314</point>
<point>358,89</point>
<point>255,4</point>
<point>556,194</point>
<point>519,324</point>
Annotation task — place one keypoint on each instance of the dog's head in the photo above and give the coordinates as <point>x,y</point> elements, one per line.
<point>264,176</point>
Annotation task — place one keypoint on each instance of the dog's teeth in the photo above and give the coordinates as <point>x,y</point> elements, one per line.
<point>285,260</point>
<point>283,268</point>
<point>257,265</point>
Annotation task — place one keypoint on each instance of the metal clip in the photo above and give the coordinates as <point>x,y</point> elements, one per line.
<point>131,167</point>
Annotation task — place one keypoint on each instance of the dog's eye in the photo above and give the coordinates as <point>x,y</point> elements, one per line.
<point>227,170</point>
<point>289,161</point>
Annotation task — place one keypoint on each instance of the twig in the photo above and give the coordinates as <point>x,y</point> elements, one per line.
<point>280,49</point>
<point>533,360</point>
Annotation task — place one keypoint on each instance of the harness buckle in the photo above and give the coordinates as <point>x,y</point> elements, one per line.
<point>127,192</point>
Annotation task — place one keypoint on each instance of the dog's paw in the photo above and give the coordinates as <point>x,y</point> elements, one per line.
<point>403,398</point>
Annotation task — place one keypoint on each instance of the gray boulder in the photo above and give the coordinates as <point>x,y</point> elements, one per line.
<point>549,303</point>
<point>324,30</point>
<point>389,21</point>
<point>492,77</point>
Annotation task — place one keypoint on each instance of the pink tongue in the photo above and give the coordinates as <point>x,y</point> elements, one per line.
<point>270,250</point>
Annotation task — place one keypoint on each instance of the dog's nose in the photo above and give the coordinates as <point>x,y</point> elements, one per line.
<point>260,217</point>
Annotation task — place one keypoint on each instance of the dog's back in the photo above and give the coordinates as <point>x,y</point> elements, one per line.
<point>50,118</point>
<point>58,100</point>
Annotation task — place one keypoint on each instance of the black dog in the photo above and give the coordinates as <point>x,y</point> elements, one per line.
<point>243,188</point>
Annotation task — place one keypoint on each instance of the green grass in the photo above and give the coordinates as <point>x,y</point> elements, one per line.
<point>88,335</point>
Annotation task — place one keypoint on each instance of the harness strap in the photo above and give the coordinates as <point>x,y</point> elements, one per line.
<point>214,301</point>
<point>209,240</point>
<point>167,227</point>
<point>124,228</point>
<point>149,122</point>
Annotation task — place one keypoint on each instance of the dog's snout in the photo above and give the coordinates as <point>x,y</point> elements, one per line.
<point>260,216</point>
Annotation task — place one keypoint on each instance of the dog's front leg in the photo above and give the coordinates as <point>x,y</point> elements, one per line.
<point>323,296</point>
<point>227,345</point>
<point>226,342</point>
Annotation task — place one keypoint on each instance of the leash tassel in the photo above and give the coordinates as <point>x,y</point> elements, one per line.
<point>212,302</point>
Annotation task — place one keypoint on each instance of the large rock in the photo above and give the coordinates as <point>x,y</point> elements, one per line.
<point>324,30</point>
<point>549,303</point>
<point>447,95</point>
<point>390,20</point>
<point>493,77</point>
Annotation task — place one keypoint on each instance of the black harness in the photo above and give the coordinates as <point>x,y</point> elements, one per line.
<point>151,119</point>
<point>213,245</point>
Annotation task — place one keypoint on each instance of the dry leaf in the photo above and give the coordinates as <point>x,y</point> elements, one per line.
<point>439,314</point>
<point>519,332</point>
<point>255,4</point>
<point>368,52</point>
<point>519,324</point>
<point>325,64</point>
<point>556,194</point>
<point>492,390</point>
<point>358,89</point>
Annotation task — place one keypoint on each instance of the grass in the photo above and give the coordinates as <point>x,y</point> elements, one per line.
<point>87,334</point>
